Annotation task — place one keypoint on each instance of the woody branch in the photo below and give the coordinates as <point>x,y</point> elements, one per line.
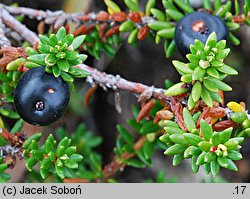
<point>117,82</point>
<point>51,17</point>
<point>114,166</point>
<point>104,80</point>
<point>4,41</point>
<point>101,78</point>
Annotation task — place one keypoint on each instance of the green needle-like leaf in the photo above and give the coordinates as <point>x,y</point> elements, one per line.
<point>194,166</point>
<point>205,146</point>
<point>220,85</point>
<point>196,91</point>
<point>226,134</point>
<point>176,89</point>
<point>179,139</point>
<point>177,159</point>
<point>206,97</point>
<point>227,70</point>
<point>61,33</point>
<point>210,85</point>
<point>175,149</point>
<point>216,138</point>
<point>181,67</point>
<point>125,134</point>
<point>192,139</point>
<point>198,73</point>
<point>188,120</point>
<point>78,41</point>
<point>206,130</point>
<point>215,168</point>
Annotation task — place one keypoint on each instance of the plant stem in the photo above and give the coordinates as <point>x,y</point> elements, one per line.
<point>18,27</point>
<point>117,165</point>
<point>4,42</point>
<point>117,82</point>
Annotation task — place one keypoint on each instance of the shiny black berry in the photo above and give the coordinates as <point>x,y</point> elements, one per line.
<point>40,98</point>
<point>198,25</point>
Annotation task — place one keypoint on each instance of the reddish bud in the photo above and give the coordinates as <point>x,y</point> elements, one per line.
<point>220,126</point>
<point>84,18</point>
<point>143,32</point>
<point>238,19</point>
<point>118,16</point>
<point>80,30</point>
<point>213,149</point>
<point>114,30</point>
<point>89,29</point>
<point>145,110</point>
<point>134,17</point>
<point>41,27</point>
<point>102,30</point>
<point>217,112</point>
<point>102,16</point>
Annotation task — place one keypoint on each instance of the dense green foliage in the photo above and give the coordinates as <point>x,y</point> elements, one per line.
<point>192,124</point>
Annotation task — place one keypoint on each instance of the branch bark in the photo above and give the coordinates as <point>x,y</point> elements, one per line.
<point>40,14</point>
<point>59,17</point>
<point>113,82</point>
<point>117,82</point>
<point>116,165</point>
<point>18,27</point>
<point>26,11</point>
<point>4,42</point>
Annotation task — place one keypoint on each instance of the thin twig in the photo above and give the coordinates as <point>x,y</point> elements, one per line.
<point>26,11</point>
<point>117,82</point>
<point>116,165</point>
<point>40,14</point>
<point>96,77</point>
<point>15,25</point>
<point>59,17</point>
<point>4,42</point>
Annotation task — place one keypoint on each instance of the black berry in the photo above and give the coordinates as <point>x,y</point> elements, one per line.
<point>40,98</point>
<point>198,25</point>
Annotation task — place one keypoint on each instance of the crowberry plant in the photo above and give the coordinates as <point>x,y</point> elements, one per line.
<point>187,120</point>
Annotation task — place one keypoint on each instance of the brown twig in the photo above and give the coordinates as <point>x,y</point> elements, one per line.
<point>145,110</point>
<point>40,15</point>
<point>116,165</point>
<point>75,180</point>
<point>96,77</point>
<point>117,82</point>
<point>103,79</point>
<point>88,95</point>
<point>59,18</point>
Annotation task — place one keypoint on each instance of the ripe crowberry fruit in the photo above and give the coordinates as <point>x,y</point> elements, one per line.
<point>198,25</point>
<point>40,98</point>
